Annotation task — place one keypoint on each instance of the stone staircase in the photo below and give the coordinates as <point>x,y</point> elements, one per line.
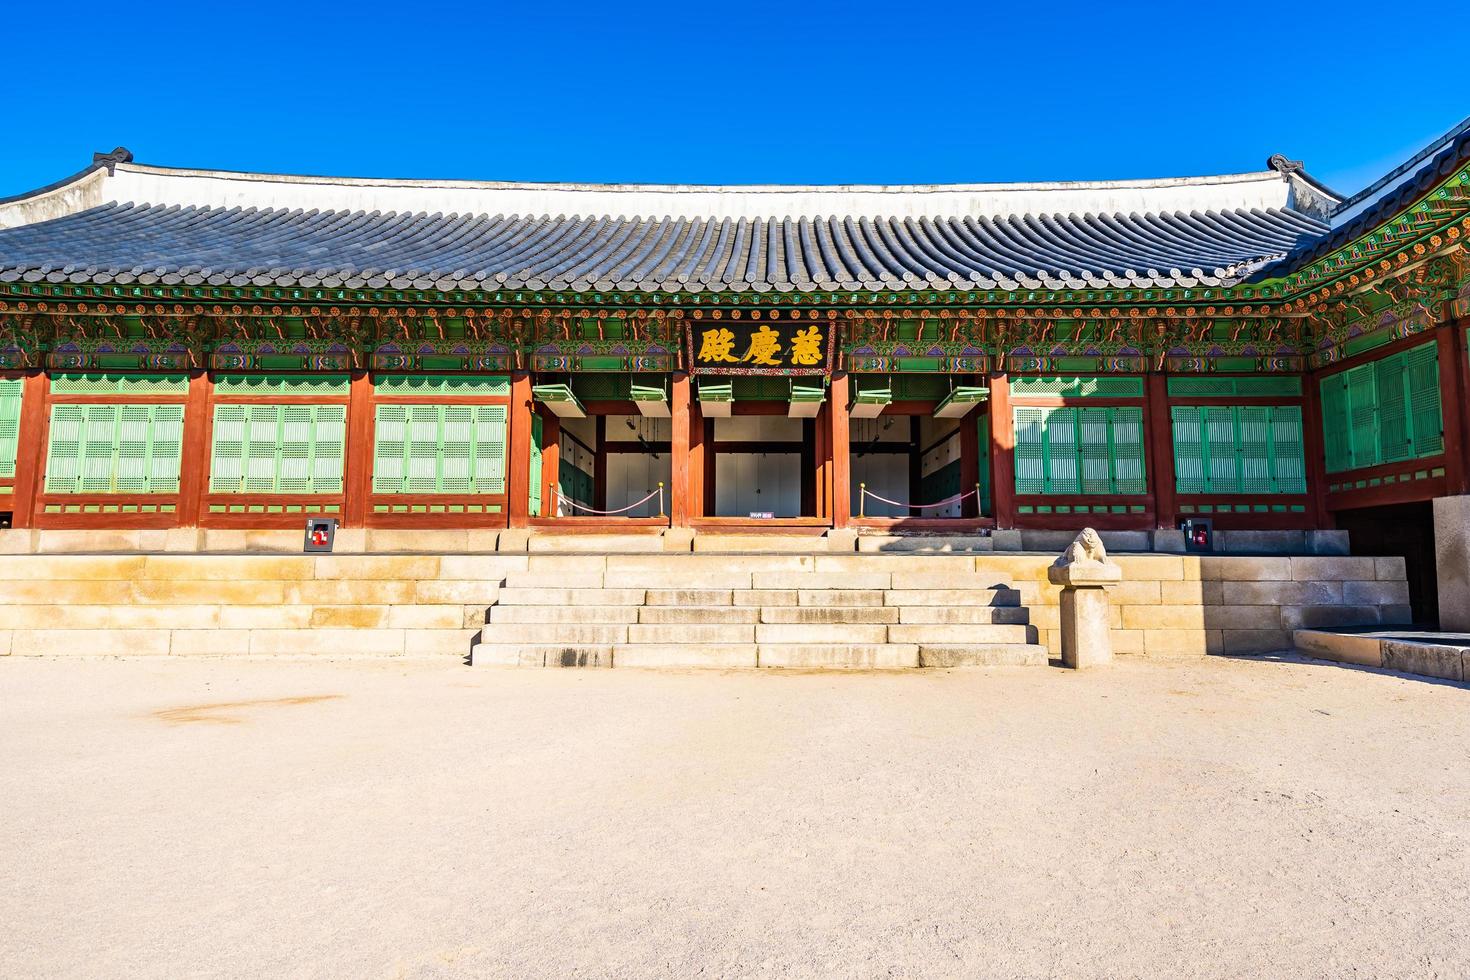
<point>662,615</point>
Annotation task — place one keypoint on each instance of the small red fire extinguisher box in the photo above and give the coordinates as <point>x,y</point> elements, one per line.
<point>320,533</point>
<point>1198,534</point>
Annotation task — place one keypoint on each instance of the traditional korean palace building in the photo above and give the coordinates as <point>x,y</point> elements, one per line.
<point>186,348</point>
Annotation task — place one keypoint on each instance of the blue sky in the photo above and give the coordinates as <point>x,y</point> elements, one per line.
<point>790,92</point>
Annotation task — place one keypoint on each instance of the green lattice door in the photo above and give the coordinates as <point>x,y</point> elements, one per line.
<point>294,449</point>
<point>439,449</point>
<point>106,449</point>
<point>10,396</point>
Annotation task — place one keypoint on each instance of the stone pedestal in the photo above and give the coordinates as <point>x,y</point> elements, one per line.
<point>1452,561</point>
<point>1085,573</point>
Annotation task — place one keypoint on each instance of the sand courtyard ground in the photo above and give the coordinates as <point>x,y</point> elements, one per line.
<point>168,818</point>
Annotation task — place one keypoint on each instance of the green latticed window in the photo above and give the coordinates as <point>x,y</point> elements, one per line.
<point>282,384</point>
<point>278,449</point>
<point>114,449</point>
<point>1262,386</point>
<point>1386,411</point>
<point>1078,387</point>
<point>1079,451</point>
<point>439,449</point>
<point>106,383</point>
<point>1238,449</point>
<point>10,392</point>
<point>443,384</point>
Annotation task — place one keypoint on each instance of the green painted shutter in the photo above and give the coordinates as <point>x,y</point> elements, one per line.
<point>114,449</point>
<point>1426,424</point>
<point>1254,452</point>
<point>1363,414</point>
<point>1189,458</point>
<point>390,434</point>
<point>1392,410</point>
<point>1030,425</point>
<point>1336,435</point>
<point>1060,431</point>
<point>535,488</point>
<point>456,458</point>
<point>227,449</point>
<point>1224,466</point>
<point>1288,456</point>
<point>10,395</point>
<point>1130,470</point>
<point>490,449</point>
<point>425,442</point>
<point>1096,462</point>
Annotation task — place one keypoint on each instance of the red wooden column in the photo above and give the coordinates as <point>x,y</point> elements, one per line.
<point>1002,451</point>
<point>194,466</point>
<point>35,411</point>
<point>839,446</point>
<point>1160,449</point>
<point>969,463</point>
<point>680,411</point>
<point>550,462</point>
<point>698,452</point>
<point>357,483</point>
<point>1453,390</point>
<point>599,463</point>
<point>518,486</point>
<point>1315,452</point>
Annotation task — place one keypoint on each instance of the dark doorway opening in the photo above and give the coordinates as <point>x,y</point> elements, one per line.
<point>1406,530</point>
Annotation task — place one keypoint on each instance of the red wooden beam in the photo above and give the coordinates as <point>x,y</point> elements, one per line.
<point>30,454</point>
<point>357,478</point>
<point>518,484</point>
<point>970,463</point>
<point>194,464</point>
<point>1160,440</point>
<point>840,450</point>
<point>550,462</point>
<point>680,410</point>
<point>1452,394</point>
<point>1002,452</point>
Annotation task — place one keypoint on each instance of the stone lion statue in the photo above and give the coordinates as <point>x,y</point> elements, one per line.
<point>1086,547</point>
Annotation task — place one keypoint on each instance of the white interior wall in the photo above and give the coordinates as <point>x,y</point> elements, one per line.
<point>747,483</point>
<point>886,474</point>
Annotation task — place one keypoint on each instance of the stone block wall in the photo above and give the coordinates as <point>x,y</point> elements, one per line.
<point>231,605</point>
<point>1187,605</point>
<point>425,605</point>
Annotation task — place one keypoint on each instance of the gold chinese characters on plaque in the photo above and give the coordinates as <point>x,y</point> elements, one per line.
<point>725,347</point>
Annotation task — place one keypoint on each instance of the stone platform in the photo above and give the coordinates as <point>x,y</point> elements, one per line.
<point>442,604</point>
<point>1426,652</point>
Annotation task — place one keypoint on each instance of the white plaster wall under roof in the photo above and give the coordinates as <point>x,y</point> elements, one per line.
<point>140,184</point>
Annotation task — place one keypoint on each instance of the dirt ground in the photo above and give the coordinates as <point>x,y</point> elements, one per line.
<point>367,819</point>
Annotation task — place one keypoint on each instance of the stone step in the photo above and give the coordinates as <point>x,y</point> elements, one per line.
<point>1019,615</point>
<point>698,614</point>
<point>821,580</point>
<point>592,615</point>
<point>841,655</point>
<point>829,614</point>
<point>592,579</point>
<point>837,597</point>
<point>692,634</point>
<point>571,597</point>
<point>575,633</point>
<point>982,655</point>
<point>541,655</point>
<point>688,597</point>
<point>724,655</point>
<point>978,581</point>
<point>938,633</point>
<point>837,633</point>
<point>952,597</point>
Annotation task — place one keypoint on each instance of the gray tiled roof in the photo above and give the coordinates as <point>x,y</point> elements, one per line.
<point>127,243</point>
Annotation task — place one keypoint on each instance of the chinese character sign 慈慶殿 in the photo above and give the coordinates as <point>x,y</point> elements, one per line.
<point>796,348</point>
